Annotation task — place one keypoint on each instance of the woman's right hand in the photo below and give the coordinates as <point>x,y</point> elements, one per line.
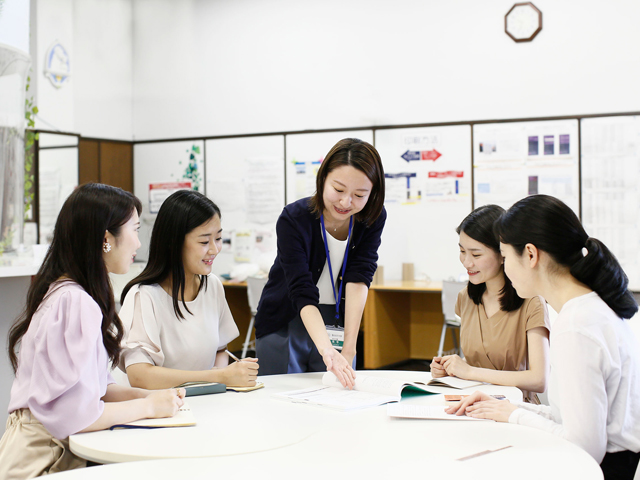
<point>242,374</point>
<point>437,369</point>
<point>165,403</point>
<point>339,366</point>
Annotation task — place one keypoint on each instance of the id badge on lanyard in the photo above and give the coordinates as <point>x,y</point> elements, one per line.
<point>336,336</point>
<point>336,332</point>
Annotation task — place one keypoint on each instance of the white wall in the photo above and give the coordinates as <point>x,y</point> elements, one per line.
<point>97,99</point>
<point>14,24</point>
<point>103,68</point>
<point>148,69</point>
<point>221,67</point>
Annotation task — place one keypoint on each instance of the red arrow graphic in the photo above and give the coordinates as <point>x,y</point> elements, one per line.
<point>430,155</point>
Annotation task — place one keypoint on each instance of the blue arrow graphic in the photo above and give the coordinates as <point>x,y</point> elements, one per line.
<point>411,155</point>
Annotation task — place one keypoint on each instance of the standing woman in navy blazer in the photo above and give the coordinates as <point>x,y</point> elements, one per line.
<point>327,254</point>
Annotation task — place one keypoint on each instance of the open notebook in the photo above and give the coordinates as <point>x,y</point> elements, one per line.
<point>184,418</point>
<point>369,391</point>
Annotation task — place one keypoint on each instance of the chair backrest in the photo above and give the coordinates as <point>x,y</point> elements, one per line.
<point>254,291</point>
<point>450,292</point>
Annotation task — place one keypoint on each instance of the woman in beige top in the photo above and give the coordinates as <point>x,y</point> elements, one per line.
<point>505,339</point>
<point>176,319</point>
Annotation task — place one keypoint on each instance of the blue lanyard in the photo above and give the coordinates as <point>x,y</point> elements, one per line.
<point>338,297</point>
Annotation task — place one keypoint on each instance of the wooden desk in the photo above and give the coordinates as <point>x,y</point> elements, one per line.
<point>236,295</point>
<point>402,320</point>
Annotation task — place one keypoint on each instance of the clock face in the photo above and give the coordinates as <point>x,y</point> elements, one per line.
<point>523,22</point>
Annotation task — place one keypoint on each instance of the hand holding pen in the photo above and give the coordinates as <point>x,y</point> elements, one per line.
<point>242,373</point>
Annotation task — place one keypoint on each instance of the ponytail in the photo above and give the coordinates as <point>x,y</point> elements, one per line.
<point>554,228</point>
<point>599,269</point>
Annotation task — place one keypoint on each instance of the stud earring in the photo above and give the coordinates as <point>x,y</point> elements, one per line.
<point>106,247</point>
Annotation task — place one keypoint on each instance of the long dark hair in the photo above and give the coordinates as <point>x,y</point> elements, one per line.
<point>479,226</point>
<point>552,227</point>
<point>76,254</point>
<point>180,213</point>
<point>362,156</point>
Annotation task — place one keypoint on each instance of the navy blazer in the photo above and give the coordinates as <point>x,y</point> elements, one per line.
<point>301,259</point>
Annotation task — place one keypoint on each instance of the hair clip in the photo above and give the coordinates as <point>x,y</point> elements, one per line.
<point>585,252</point>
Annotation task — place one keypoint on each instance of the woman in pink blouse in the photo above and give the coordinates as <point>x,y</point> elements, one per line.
<point>69,333</point>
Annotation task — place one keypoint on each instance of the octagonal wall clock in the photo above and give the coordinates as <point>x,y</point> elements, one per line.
<point>523,22</point>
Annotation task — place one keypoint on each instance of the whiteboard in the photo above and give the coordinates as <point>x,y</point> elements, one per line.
<point>304,154</point>
<point>57,178</point>
<point>513,160</point>
<point>428,194</point>
<point>159,163</point>
<point>245,178</point>
<point>610,192</point>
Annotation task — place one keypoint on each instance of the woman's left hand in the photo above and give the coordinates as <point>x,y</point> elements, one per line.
<point>455,366</point>
<point>339,366</point>
<point>481,405</point>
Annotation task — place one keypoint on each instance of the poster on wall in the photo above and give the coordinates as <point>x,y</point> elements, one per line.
<point>513,160</point>
<point>305,173</point>
<point>305,153</point>
<point>159,192</point>
<point>165,165</point>
<point>427,165</point>
<point>427,194</point>
<point>263,187</point>
<point>610,192</point>
<point>245,178</point>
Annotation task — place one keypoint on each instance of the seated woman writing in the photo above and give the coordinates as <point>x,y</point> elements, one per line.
<point>176,318</point>
<point>505,339</point>
<point>68,336</point>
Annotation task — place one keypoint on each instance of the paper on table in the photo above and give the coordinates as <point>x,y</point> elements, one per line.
<point>431,412</point>
<point>338,398</point>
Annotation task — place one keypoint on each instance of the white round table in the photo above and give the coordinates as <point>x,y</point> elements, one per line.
<point>254,434</point>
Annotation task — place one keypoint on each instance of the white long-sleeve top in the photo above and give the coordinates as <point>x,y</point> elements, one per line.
<point>594,383</point>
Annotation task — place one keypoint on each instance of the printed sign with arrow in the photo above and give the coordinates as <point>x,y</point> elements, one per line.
<point>413,155</point>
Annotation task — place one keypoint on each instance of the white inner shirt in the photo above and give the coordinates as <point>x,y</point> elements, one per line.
<point>336,254</point>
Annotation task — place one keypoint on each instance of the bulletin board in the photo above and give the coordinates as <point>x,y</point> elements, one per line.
<point>435,175</point>
<point>163,164</point>
<point>610,192</point>
<point>428,194</point>
<point>245,178</point>
<point>305,152</point>
<point>516,159</point>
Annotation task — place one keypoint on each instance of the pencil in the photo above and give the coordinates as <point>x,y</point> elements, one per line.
<point>232,356</point>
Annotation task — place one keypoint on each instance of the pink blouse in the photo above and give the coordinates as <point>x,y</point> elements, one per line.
<point>63,369</point>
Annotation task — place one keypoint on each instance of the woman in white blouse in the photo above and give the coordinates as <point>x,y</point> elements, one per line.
<point>594,384</point>
<point>177,321</point>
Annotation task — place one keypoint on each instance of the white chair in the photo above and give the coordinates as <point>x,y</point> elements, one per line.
<point>451,322</point>
<point>254,291</point>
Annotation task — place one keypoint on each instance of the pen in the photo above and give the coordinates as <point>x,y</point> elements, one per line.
<point>232,356</point>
